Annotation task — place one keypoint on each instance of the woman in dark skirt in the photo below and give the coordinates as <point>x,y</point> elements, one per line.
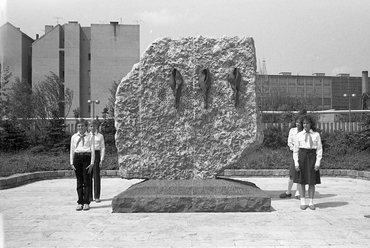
<point>307,154</point>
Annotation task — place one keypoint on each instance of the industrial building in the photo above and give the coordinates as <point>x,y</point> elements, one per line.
<point>338,92</point>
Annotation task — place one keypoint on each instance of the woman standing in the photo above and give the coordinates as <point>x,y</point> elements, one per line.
<point>307,154</point>
<point>296,128</point>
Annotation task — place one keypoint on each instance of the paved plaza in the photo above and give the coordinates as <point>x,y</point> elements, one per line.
<point>42,214</point>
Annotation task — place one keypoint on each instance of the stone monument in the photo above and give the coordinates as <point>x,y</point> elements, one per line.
<point>186,111</point>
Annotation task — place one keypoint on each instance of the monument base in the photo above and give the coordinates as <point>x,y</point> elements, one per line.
<point>211,195</point>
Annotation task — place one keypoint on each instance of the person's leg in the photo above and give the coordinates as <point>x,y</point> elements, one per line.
<point>97,179</point>
<point>311,195</point>
<point>79,177</point>
<point>87,182</point>
<point>298,191</point>
<point>303,195</point>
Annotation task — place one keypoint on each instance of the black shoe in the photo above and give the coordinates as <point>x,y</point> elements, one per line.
<point>285,195</point>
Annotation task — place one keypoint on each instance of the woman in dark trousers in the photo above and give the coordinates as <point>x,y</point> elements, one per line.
<point>82,156</point>
<point>307,154</point>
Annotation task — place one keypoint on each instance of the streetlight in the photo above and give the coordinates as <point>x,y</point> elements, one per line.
<point>93,104</point>
<point>349,107</point>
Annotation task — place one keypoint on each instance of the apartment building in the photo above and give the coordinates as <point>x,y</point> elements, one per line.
<point>87,59</point>
<point>15,52</point>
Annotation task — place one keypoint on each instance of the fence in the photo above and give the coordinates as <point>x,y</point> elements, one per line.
<point>327,127</point>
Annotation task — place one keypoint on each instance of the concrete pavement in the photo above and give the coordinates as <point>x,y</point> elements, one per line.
<point>42,214</point>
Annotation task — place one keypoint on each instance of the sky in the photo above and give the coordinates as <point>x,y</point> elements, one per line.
<point>298,36</point>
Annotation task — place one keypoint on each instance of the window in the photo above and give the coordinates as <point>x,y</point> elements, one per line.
<point>89,56</point>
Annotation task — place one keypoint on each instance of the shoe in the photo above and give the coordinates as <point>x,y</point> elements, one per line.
<point>285,195</point>
<point>312,207</point>
<point>367,216</point>
<point>303,207</point>
<point>86,207</point>
<point>79,207</point>
<point>298,197</point>
<point>97,200</point>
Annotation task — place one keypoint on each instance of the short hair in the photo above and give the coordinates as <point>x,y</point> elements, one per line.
<point>311,120</point>
<point>94,122</point>
<point>81,121</point>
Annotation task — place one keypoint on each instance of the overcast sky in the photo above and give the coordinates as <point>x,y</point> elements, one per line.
<point>298,36</point>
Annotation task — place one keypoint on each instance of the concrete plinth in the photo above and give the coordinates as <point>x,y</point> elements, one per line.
<point>212,195</point>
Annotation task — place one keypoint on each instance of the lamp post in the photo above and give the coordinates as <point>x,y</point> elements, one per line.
<point>349,108</point>
<point>93,106</point>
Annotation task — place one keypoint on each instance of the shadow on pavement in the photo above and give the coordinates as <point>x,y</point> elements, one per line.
<point>330,204</point>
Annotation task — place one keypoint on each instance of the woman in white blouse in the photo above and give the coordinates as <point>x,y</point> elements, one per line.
<point>307,154</point>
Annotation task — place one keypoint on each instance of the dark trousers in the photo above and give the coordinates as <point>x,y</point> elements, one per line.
<point>96,176</point>
<point>84,179</point>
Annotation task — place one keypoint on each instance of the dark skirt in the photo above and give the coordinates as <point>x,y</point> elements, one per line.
<point>291,169</point>
<point>307,173</point>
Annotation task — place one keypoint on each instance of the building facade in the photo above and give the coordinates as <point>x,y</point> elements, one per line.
<point>339,92</point>
<point>87,60</point>
<point>15,52</point>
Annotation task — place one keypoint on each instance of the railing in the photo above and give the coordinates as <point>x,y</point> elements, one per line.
<point>327,127</point>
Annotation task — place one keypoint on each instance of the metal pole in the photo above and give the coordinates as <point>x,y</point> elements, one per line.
<point>349,112</point>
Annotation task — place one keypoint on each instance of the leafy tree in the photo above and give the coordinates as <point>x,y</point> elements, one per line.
<point>50,96</point>
<point>111,100</point>
<point>5,75</point>
<point>20,99</point>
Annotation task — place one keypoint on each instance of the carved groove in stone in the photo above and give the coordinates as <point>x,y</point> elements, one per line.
<point>205,84</point>
<point>234,79</point>
<point>176,82</point>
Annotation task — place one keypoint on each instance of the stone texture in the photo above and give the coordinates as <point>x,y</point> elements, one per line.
<point>212,195</point>
<point>157,141</point>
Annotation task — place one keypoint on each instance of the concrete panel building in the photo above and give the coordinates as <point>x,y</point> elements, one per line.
<point>87,59</point>
<point>15,52</point>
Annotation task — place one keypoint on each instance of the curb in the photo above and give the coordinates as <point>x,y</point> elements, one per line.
<point>21,179</point>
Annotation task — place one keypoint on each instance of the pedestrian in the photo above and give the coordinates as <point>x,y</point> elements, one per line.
<point>99,157</point>
<point>296,128</point>
<point>307,154</point>
<point>82,156</point>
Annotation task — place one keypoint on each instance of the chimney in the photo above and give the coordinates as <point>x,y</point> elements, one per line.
<point>37,36</point>
<point>365,82</point>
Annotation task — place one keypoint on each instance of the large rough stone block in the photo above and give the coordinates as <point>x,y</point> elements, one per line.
<point>214,195</point>
<point>156,140</point>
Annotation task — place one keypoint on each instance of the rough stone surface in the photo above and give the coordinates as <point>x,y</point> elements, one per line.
<point>157,141</point>
<point>212,195</point>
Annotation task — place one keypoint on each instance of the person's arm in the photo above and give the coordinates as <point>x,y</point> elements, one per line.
<point>71,154</point>
<point>318,152</point>
<point>102,150</point>
<point>92,149</point>
<point>291,139</point>
<point>295,152</point>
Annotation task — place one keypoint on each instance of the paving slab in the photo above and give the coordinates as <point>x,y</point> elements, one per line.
<point>42,214</point>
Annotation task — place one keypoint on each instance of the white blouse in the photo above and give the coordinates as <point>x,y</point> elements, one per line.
<point>292,133</point>
<point>302,142</point>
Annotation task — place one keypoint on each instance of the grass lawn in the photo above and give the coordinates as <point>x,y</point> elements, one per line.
<point>25,161</point>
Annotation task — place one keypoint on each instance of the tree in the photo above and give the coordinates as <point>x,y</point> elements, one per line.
<point>21,99</point>
<point>50,97</point>
<point>112,99</point>
<point>5,74</point>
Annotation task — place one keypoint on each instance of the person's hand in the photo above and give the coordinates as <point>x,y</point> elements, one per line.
<point>101,163</point>
<point>317,167</point>
<point>90,168</point>
<point>73,167</point>
<point>297,168</point>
